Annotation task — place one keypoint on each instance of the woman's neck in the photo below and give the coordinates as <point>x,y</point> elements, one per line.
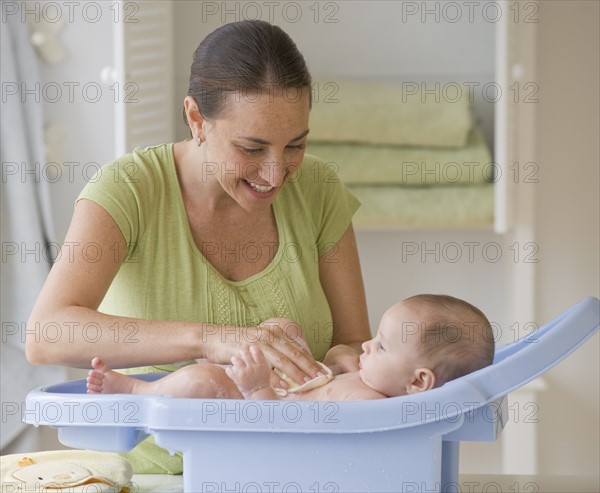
<point>198,182</point>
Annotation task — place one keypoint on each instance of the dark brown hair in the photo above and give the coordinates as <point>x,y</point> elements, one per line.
<point>456,337</point>
<point>244,57</point>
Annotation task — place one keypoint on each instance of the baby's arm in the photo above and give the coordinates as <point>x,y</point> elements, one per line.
<point>251,373</point>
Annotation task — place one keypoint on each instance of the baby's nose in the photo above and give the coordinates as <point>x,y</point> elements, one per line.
<point>365,346</point>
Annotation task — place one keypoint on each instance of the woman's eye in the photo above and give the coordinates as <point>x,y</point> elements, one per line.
<point>297,147</point>
<point>250,150</point>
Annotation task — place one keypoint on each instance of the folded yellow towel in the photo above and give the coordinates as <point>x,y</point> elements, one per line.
<point>65,471</point>
<point>366,164</point>
<point>390,114</point>
<point>424,207</point>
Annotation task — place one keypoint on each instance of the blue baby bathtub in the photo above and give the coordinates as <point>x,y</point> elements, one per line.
<point>402,444</point>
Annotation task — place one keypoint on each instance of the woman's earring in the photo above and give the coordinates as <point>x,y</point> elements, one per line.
<point>199,142</point>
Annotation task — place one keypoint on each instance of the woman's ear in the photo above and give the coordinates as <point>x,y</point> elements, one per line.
<point>194,117</point>
<point>423,379</point>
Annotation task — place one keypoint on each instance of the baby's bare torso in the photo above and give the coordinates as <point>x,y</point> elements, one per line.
<point>344,387</point>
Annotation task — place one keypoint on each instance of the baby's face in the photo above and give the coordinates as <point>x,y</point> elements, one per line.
<point>389,360</point>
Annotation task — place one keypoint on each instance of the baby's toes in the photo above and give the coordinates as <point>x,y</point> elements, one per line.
<point>93,388</point>
<point>100,365</point>
<point>95,376</point>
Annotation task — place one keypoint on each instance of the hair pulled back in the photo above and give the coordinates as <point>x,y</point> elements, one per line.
<point>244,57</point>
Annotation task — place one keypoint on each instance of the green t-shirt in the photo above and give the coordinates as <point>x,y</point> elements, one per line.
<point>166,277</point>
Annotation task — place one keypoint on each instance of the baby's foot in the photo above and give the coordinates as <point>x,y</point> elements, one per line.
<point>103,380</point>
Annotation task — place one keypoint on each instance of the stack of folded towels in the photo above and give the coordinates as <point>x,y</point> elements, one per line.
<point>412,158</point>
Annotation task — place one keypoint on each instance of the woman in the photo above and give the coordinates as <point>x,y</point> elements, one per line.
<point>201,248</point>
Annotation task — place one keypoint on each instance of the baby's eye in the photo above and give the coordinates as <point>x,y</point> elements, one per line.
<point>380,347</point>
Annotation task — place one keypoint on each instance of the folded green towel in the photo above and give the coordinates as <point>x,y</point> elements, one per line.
<point>149,458</point>
<point>428,206</point>
<point>392,165</point>
<point>394,114</point>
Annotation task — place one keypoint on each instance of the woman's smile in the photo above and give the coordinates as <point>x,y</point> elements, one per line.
<point>260,191</point>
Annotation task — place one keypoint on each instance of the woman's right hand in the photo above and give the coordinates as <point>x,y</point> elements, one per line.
<point>280,339</point>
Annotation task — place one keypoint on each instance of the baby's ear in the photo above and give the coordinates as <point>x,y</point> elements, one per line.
<point>423,379</point>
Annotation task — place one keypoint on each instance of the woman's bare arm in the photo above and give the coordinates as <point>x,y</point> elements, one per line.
<point>65,327</point>
<point>341,278</point>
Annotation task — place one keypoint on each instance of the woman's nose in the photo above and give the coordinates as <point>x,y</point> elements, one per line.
<point>273,172</point>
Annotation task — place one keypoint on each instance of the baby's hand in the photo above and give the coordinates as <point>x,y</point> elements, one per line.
<point>250,371</point>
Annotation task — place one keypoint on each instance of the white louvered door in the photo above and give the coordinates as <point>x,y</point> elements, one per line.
<point>143,54</point>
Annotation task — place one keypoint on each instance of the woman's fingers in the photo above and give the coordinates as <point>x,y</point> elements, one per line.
<point>283,346</point>
<point>303,360</point>
<point>294,363</point>
<point>292,354</point>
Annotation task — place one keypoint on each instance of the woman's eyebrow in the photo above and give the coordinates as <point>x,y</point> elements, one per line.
<point>257,140</point>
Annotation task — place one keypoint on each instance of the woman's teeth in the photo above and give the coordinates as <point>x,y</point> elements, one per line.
<point>260,188</point>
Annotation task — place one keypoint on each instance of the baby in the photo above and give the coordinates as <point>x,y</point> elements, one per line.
<point>422,343</point>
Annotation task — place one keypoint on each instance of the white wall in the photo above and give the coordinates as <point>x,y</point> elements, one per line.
<point>567,224</point>
<point>469,264</point>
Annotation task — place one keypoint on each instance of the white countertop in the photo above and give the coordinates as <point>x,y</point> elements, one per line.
<point>473,483</point>
<point>155,483</point>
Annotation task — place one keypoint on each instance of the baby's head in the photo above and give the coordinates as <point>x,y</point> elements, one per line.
<point>424,342</point>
